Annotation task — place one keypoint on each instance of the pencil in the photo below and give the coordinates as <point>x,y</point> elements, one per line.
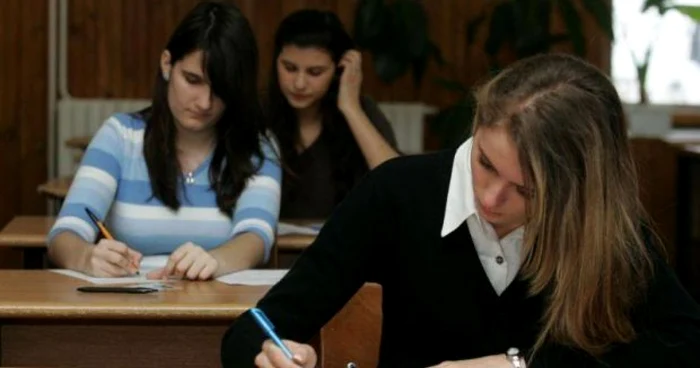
<point>103,230</point>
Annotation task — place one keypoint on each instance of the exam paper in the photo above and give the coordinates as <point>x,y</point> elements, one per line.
<point>253,277</point>
<point>148,264</point>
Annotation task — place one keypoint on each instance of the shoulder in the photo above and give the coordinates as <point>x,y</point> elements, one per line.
<point>132,121</point>
<point>118,132</point>
<point>124,127</point>
<point>404,170</point>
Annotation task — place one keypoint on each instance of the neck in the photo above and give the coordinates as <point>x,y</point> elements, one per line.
<point>503,230</point>
<point>188,142</point>
<point>309,116</point>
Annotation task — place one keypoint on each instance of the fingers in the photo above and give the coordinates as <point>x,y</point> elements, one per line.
<point>106,269</point>
<point>351,59</point>
<point>276,357</point>
<point>192,262</point>
<point>156,274</point>
<point>117,254</point>
<point>175,259</point>
<point>261,361</point>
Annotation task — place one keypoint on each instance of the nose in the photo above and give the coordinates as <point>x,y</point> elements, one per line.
<point>205,99</point>
<point>494,195</point>
<point>299,81</point>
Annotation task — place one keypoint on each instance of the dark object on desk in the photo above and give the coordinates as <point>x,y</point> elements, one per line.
<point>117,289</point>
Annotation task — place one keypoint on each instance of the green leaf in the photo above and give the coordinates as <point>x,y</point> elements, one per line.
<point>436,54</point>
<point>690,10</point>
<point>389,67</point>
<point>600,11</point>
<point>411,26</point>
<point>501,29</point>
<point>661,5</point>
<point>473,28</point>
<point>370,18</point>
<point>572,21</point>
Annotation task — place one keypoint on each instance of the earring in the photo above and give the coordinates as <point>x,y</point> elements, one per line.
<point>166,76</point>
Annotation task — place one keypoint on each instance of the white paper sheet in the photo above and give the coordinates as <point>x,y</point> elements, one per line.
<point>253,277</point>
<point>284,228</point>
<point>148,264</point>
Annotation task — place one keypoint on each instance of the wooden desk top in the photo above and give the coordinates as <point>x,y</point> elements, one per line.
<point>30,294</point>
<point>31,231</point>
<point>26,231</point>
<point>56,188</point>
<point>294,242</point>
<point>80,143</point>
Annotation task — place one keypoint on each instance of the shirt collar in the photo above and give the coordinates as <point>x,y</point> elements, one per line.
<point>460,194</point>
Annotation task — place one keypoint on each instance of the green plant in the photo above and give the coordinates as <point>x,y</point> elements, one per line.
<point>396,35</point>
<point>517,28</point>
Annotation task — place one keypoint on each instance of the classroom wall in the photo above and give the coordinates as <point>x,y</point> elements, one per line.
<point>23,110</point>
<point>114,47</point>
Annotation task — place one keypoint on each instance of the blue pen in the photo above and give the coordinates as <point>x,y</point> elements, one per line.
<point>269,329</point>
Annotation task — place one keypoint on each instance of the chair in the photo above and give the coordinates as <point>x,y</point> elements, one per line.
<point>354,334</point>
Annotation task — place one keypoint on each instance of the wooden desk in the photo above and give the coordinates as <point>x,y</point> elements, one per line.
<point>29,234</point>
<point>80,143</point>
<point>56,188</point>
<point>46,322</point>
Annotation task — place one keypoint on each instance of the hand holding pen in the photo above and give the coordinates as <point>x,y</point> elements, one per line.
<point>277,353</point>
<point>109,257</point>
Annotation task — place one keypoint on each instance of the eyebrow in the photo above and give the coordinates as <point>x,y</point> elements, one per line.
<point>323,67</point>
<point>486,158</point>
<point>192,74</point>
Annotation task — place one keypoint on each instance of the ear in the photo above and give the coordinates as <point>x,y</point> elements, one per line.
<point>165,64</point>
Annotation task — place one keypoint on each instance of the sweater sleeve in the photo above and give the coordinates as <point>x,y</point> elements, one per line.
<point>668,336</point>
<point>258,207</point>
<point>95,183</point>
<point>325,276</point>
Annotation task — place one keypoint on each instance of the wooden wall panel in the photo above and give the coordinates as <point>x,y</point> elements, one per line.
<point>23,109</point>
<point>114,45</point>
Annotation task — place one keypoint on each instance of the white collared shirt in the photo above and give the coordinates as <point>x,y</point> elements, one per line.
<point>500,258</point>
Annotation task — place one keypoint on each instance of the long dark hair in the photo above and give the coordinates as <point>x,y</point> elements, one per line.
<point>230,61</point>
<point>323,30</point>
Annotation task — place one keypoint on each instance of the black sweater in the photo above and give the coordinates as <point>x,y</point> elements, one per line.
<point>438,303</point>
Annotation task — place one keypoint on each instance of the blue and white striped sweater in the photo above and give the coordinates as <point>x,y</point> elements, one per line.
<point>113,182</point>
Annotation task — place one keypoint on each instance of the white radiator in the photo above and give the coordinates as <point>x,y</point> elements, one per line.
<point>407,121</point>
<point>82,117</point>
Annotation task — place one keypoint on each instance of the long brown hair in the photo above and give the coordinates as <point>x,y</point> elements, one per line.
<point>584,244</point>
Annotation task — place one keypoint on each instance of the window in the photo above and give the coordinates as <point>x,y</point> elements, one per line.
<point>674,69</point>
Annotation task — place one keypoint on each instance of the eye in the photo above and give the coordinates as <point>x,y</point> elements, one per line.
<point>315,72</point>
<point>524,192</point>
<point>290,68</point>
<point>487,165</point>
<point>192,79</point>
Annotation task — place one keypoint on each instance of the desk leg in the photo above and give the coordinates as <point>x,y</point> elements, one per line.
<point>33,258</point>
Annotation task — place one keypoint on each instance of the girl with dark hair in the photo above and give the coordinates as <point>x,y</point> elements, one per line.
<point>193,176</point>
<point>329,135</point>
